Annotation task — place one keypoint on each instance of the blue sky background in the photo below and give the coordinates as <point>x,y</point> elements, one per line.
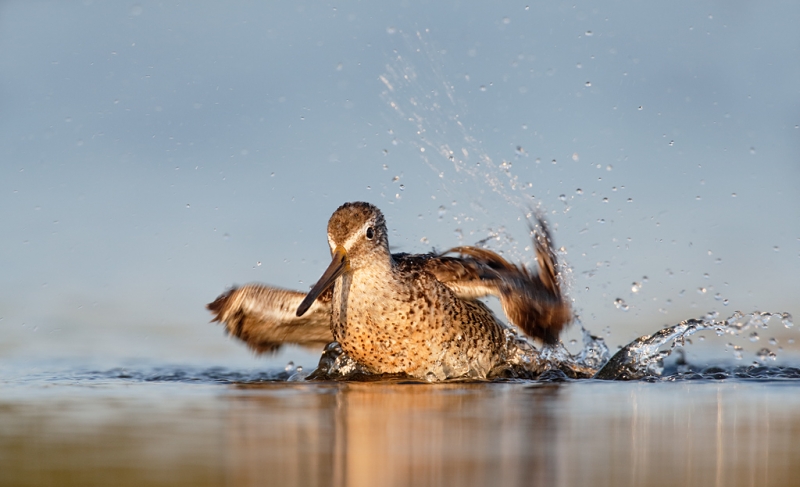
<point>155,153</point>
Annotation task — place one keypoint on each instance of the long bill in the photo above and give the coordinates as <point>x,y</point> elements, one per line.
<point>339,264</point>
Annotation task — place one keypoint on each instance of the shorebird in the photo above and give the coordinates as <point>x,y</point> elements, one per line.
<point>418,315</point>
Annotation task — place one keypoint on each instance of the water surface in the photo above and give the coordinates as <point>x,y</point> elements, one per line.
<point>218,427</point>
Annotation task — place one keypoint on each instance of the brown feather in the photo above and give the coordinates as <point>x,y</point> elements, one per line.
<point>264,317</point>
<point>533,302</point>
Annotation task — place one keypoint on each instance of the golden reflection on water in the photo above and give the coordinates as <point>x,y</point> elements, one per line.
<point>586,433</point>
<point>406,434</point>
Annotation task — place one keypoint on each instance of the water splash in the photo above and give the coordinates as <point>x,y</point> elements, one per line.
<point>424,100</point>
<point>335,364</point>
<point>645,356</point>
<point>640,359</point>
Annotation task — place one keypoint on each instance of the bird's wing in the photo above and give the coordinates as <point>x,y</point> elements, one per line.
<point>533,302</point>
<point>265,317</point>
<point>466,276</point>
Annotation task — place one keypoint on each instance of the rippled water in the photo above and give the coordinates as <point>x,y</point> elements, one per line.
<point>680,423</point>
<point>218,427</point>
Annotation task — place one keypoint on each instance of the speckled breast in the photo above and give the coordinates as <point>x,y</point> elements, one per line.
<point>419,328</point>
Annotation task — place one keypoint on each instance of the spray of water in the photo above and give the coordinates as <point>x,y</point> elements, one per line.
<point>645,355</point>
<point>427,100</point>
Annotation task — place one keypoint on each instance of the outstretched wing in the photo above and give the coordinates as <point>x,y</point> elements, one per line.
<point>533,302</point>
<point>265,317</point>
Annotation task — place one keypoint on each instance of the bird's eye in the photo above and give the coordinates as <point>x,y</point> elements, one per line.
<point>370,233</point>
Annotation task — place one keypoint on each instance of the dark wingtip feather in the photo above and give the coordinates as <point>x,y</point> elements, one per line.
<point>545,254</point>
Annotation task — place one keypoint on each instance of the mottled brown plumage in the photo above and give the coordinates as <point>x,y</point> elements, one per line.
<point>401,313</point>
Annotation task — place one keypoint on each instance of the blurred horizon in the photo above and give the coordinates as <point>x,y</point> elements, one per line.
<point>155,154</point>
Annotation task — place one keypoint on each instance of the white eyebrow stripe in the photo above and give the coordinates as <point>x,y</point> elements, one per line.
<point>352,239</point>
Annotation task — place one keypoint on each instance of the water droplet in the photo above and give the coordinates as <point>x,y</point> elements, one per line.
<point>589,33</point>
<point>579,66</point>
<point>424,240</point>
<point>701,290</point>
<point>395,179</point>
<point>605,200</point>
<point>588,84</point>
<point>753,337</point>
<point>601,220</point>
<point>620,304</point>
<point>765,354</point>
<point>752,150</point>
<point>402,187</point>
<point>258,263</point>
<point>579,191</point>
<point>562,197</point>
<point>776,248</point>
<point>725,302</point>
<point>187,205</point>
<point>636,287</point>
<point>630,200</point>
<point>483,88</point>
<point>671,143</point>
<point>641,107</point>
